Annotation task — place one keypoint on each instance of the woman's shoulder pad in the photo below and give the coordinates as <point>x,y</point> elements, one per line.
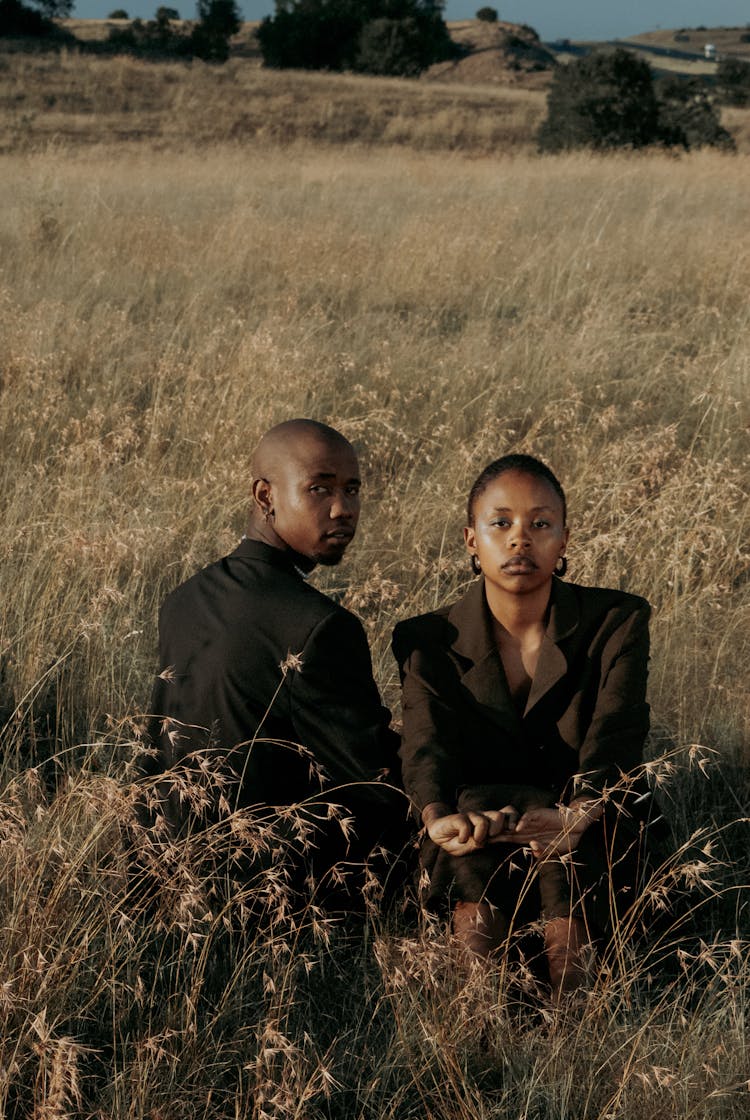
<point>610,598</point>
<point>422,627</point>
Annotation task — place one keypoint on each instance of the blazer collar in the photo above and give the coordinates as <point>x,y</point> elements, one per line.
<point>485,678</point>
<point>552,663</point>
<point>267,554</point>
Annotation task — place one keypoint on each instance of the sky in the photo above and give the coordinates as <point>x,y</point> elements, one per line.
<point>553,19</point>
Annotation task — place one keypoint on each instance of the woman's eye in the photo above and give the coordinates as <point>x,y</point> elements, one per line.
<point>501,522</point>
<point>541,524</point>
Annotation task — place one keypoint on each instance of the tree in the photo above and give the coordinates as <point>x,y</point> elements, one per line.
<point>34,18</point>
<point>488,15</point>
<point>52,9</point>
<point>604,100</point>
<point>373,36</point>
<point>118,13</point>
<point>218,20</point>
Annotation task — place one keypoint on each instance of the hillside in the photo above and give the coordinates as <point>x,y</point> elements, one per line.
<point>503,53</point>
<point>727,40</point>
<point>244,43</point>
<point>495,53</point>
<point>490,100</point>
<point>73,99</point>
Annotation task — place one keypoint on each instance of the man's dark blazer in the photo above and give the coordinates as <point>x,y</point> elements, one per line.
<point>586,714</point>
<point>256,662</point>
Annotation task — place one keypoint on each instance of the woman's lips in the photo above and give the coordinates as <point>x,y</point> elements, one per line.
<point>519,564</point>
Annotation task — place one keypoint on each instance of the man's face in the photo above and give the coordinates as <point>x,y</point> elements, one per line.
<point>315,499</point>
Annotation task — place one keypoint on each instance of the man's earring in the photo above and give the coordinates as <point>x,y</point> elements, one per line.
<point>476,566</point>
<point>561,566</point>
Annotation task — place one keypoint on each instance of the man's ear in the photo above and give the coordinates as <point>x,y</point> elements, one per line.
<point>263,496</point>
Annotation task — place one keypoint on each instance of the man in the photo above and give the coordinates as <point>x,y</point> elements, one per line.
<point>265,681</point>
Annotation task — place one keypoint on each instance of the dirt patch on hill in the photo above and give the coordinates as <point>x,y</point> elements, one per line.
<point>501,53</point>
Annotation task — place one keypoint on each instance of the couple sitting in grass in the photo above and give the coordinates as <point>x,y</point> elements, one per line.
<point>524,709</point>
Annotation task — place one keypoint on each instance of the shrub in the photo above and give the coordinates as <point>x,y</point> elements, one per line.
<point>687,117</point>
<point>530,31</point>
<point>610,101</point>
<point>488,15</point>
<point>374,36</point>
<point>118,13</point>
<point>390,46</point>
<point>158,38</point>
<point>733,81</point>
<point>601,101</point>
<point>155,39</point>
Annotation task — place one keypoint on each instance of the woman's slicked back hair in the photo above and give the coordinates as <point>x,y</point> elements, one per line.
<point>522,464</point>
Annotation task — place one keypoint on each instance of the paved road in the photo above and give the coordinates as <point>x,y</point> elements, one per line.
<point>579,50</point>
<point>665,52</point>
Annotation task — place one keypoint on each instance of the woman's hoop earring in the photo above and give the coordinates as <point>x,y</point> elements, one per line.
<point>476,566</point>
<point>561,567</point>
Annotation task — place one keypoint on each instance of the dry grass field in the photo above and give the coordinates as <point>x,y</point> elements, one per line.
<point>164,300</point>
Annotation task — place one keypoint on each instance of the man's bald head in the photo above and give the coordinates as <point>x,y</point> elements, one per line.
<point>305,491</point>
<point>289,440</point>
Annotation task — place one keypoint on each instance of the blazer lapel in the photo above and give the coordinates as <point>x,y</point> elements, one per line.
<point>485,676</point>
<point>552,664</point>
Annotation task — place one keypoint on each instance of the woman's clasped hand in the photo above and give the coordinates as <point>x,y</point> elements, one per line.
<point>547,832</point>
<point>461,833</point>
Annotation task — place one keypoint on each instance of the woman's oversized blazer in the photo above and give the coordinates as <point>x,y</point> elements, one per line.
<point>465,743</point>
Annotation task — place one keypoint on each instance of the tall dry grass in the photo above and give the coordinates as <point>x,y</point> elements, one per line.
<point>156,315</point>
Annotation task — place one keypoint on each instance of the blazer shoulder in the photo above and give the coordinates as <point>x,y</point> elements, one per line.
<point>611,597</point>
<point>600,601</point>
<point>422,630</point>
<point>244,590</point>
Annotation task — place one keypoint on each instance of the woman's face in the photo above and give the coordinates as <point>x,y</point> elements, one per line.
<point>518,533</point>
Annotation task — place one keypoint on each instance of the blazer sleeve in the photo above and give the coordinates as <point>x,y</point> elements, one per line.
<point>335,705</point>
<point>433,733</point>
<point>613,742</point>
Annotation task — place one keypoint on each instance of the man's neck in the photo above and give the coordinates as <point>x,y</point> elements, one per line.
<point>266,535</point>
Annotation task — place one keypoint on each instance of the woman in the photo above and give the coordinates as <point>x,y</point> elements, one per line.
<point>524,704</point>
